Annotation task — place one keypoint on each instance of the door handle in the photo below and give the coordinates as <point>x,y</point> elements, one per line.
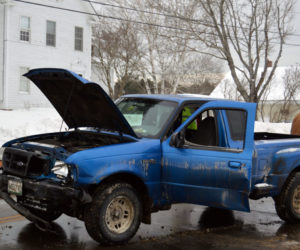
<point>235,164</point>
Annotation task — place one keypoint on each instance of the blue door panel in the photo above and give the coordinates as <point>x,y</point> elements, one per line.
<point>212,176</point>
<point>208,196</point>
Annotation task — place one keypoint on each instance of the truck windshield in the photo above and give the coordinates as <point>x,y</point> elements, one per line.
<point>147,117</point>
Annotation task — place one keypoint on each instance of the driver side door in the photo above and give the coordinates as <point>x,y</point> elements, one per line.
<point>211,166</point>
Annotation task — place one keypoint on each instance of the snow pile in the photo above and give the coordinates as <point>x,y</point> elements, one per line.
<point>18,123</point>
<point>281,128</point>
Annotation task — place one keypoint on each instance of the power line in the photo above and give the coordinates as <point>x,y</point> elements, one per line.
<point>125,20</point>
<point>168,15</point>
<point>94,9</point>
<point>105,16</point>
<point>138,10</point>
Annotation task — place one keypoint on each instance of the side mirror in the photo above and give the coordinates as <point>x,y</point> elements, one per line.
<point>177,139</point>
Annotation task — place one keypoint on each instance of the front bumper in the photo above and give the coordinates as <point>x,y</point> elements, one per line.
<point>55,194</point>
<point>47,190</point>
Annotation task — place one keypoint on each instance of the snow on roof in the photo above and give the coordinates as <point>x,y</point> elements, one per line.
<point>227,89</point>
<point>195,95</point>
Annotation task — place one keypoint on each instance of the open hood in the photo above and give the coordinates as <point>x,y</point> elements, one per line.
<point>79,102</point>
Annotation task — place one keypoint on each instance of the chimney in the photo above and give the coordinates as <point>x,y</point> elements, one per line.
<point>269,63</point>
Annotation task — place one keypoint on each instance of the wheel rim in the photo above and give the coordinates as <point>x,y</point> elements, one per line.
<point>119,214</point>
<point>296,200</point>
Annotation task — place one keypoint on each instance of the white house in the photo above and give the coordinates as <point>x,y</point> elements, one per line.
<point>275,105</point>
<point>41,33</point>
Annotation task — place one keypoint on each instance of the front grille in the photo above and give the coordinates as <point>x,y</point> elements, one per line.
<point>23,163</point>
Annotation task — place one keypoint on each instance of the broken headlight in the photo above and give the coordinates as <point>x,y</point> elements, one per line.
<point>61,169</point>
<point>1,155</point>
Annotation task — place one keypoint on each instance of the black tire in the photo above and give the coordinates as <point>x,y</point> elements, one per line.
<point>114,215</point>
<point>47,216</point>
<point>287,203</point>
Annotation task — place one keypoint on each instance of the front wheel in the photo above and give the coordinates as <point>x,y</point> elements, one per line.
<point>287,203</point>
<point>114,215</point>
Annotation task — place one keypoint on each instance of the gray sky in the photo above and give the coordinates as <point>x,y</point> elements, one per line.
<point>291,54</point>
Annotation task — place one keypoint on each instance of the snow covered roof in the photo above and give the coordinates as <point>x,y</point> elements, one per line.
<point>275,92</point>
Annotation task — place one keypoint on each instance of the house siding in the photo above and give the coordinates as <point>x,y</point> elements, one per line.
<point>35,54</point>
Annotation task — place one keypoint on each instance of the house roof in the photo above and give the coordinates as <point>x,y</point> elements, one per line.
<point>275,92</point>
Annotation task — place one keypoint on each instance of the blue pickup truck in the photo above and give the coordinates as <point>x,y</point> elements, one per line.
<point>120,162</point>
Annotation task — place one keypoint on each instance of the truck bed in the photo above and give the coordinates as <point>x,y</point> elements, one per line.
<point>272,136</point>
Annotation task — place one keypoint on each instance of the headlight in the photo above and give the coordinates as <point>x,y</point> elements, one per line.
<point>1,155</point>
<point>60,169</point>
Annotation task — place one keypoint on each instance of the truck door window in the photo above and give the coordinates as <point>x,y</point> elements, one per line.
<point>208,129</point>
<point>183,115</point>
<point>203,131</point>
<point>237,124</point>
<point>237,120</point>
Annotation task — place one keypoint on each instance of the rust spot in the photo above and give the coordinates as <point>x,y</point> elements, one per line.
<point>279,166</point>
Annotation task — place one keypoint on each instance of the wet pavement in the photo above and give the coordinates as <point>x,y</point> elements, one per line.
<point>183,227</point>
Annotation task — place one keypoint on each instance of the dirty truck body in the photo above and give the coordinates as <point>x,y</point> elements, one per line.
<point>120,162</point>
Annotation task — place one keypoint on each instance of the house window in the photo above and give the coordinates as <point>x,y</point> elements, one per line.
<point>25,28</point>
<point>51,34</point>
<point>79,38</point>
<point>24,82</point>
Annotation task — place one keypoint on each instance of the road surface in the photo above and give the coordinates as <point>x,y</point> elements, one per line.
<point>183,227</point>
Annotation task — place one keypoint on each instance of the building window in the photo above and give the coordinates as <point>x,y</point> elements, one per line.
<point>79,38</point>
<point>51,34</point>
<point>25,28</point>
<point>24,82</point>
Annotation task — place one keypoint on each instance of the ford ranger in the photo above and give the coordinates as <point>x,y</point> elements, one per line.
<point>120,162</point>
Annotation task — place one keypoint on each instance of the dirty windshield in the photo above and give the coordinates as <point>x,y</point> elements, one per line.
<point>147,117</point>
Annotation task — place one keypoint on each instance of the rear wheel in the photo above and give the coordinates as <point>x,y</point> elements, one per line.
<point>287,203</point>
<point>114,215</point>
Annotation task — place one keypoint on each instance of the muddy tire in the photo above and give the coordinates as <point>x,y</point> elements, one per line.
<point>114,215</point>
<point>47,216</point>
<point>287,203</point>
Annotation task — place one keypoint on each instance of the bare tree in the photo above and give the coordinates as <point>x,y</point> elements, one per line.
<point>117,50</point>
<point>146,49</point>
<point>105,50</point>
<point>129,57</point>
<point>245,33</point>
<point>164,54</point>
<point>285,107</point>
<point>196,70</point>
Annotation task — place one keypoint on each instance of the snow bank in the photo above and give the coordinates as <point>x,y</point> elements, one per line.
<point>282,128</point>
<point>18,123</point>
